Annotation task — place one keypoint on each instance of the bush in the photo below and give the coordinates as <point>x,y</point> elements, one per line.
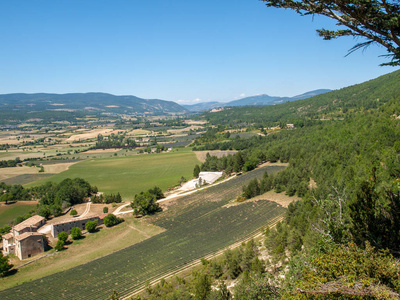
<point>105,210</point>
<point>76,233</point>
<point>73,212</point>
<point>60,245</point>
<point>62,236</point>
<point>112,220</point>
<point>91,226</point>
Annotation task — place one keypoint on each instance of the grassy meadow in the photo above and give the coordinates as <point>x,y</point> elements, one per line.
<point>8,212</point>
<point>132,174</point>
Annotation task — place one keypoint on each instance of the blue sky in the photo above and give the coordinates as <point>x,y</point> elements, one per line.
<point>180,50</point>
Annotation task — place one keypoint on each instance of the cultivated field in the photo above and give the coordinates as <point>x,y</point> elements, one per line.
<point>197,225</point>
<point>132,174</point>
<point>93,246</point>
<point>9,212</point>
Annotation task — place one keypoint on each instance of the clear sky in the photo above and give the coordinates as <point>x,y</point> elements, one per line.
<point>181,50</point>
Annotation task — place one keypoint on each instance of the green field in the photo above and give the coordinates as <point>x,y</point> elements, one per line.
<point>197,225</point>
<point>133,174</point>
<point>9,212</point>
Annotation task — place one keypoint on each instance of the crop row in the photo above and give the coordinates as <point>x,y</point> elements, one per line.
<point>204,228</point>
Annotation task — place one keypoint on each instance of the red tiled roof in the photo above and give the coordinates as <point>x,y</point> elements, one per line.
<point>32,221</point>
<point>8,236</point>
<point>26,235</point>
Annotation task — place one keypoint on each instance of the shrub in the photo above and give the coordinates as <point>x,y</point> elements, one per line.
<point>105,210</point>
<point>62,236</point>
<point>60,245</point>
<point>91,226</point>
<point>76,233</point>
<point>112,220</point>
<point>73,212</point>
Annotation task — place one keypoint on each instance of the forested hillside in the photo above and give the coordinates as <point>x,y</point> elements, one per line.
<point>344,161</point>
<point>67,107</point>
<point>336,104</point>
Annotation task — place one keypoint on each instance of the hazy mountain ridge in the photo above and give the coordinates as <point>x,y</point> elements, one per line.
<point>87,102</point>
<point>257,100</point>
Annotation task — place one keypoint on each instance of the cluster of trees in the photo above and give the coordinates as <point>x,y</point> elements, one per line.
<point>235,163</point>
<point>53,197</point>
<point>10,163</point>
<point>283,181</point>
<point>145,203</point>
<point>13,192</point>
<point>5,146</point>
<point>114,141</point>
<point>106,198</point>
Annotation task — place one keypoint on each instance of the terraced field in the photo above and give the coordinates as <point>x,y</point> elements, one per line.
<point>197,225</point>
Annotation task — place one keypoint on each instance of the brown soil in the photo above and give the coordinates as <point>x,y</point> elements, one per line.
<point>201,155</point>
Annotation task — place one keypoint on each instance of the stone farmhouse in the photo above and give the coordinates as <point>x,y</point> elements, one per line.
<point>67,225</point>
<point>23,239</point>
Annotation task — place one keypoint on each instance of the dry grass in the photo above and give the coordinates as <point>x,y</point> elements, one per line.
<point>13,172</point>
<point>139,132</point>
<point>91,134</point>
<point>194,122</point>
<point>201,155</point>
<point>102,151</point>
<point>57,168</point>
<point>178,131</point>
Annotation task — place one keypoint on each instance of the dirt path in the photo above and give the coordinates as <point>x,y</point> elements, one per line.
<point>87,210</point>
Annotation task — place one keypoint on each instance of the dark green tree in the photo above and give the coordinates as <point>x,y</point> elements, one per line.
<point>202,286</point>
<point>76,233</point>
<point>376,20</point>
<point>196,171</point>
<point>91,226</point>
<point>111,220</point>
<point>60,245</point>
<point>62,236</point>
<point>5,266</point>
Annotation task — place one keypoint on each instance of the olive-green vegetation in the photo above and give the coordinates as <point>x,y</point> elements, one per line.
<point>5,266</point>
<point>145,203</point>
<point>337,104</point>
<point>133,174</point>
<point>11,211</point>
<point>53,197</point>
<point>111,220</point>
<point>197,225</point>
<point>352,164</point>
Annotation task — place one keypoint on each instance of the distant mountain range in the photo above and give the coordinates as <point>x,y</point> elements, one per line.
<point>97,102</point>
<point>102,102</point>
<point>258,100</point>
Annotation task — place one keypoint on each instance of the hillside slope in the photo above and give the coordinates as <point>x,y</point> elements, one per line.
<point>89,102</point>
<point>335,104</point>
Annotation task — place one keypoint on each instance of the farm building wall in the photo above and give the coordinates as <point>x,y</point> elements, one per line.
<point>29,244</point>
<point>66,226</point>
